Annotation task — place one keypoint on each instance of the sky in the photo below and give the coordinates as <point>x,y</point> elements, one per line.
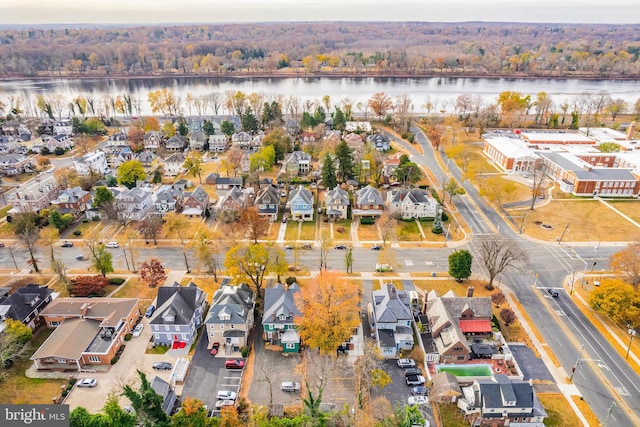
<point>29,12</point>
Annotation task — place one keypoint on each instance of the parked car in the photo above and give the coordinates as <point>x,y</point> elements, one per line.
<point>87,382</point>
<point>112,245</point>
<point>406,363</point>
<point>214,348</point>
<point>420,391</point>
<point>223,403</point>
<point>553,292</point>
<point>162,366</point>
<point>66,244</point>
<point>383,268</point>
<point>150,310</point>
<point>290,386</point>
<point>376,248</point>
<point>418,400</point>
<point>1,245</point>
<point>227,395</point>
<point>288,247</point>
<point>307,246</point>
<point>284,219</point>
<point>138,330</point>
<point>412,371</point>
<point>234,364</point>
<point>415,380</point>
<point>340,247</point>
<point>79,258</point>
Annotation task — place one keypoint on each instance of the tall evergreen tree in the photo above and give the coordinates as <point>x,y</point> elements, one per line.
<point>249,121</point>
<point>345,161</point>
<point>339,119</point>
<point>329,179</point>
<point>147,401</point>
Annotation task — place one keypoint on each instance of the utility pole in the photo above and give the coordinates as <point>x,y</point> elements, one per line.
<point>609,413</point>
<point>575,366</point>
<point>13,258</point>
<point>632,333</point>
<point>524,218</point>
<point>562,235</point>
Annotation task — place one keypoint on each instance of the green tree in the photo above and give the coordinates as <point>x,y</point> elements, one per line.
<point>183,129</point>
<point>60,221</point>
<point>207,128</point>
<point>227,128</point>
<point>339,119</point>
<point>460,264</point>
<point>263,160</point>
<point>329,179</point>
<point>192,413</point>
<point>130,172</point>
<point>102,260</point>
<point>249,121</point>
<point>280,141</point>
<point>104,200</point>
<point>452,188</point>
<point>13,342</point>
<point>408,171</point>
<point>344,157</point>
<point>193,165</point>
<point>250,263</point>
<point>610,147</point>
<point>147,403</point>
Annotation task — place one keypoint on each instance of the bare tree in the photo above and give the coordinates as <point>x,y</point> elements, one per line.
<point>499,255</point>
<point>540,180</point>
<point>27,234</point>
<point>387,227</point>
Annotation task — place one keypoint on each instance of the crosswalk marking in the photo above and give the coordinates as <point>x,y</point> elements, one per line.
<point>408,262</point>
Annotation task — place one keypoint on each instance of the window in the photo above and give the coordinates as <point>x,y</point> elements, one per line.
<point>94,359</point>
<point>54,323</point>
<point>232,326</point>
<point>221,326</point>
<point>177,328</point>
<point>290,346</point>
<point>166,327</point>
<point>461,358</point>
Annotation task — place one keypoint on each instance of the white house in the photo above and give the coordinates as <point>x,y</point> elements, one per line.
<point>134,204</point>
<point>174,165</point>
<point>96,162</point>
<point>392,320</point>
<point>336,203</point>
<point>413,203</point>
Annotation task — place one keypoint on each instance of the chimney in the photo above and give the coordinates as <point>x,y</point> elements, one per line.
<point>630,131</point>
<point>286,287</point>
<point>470,292</point>
<point>83,309</point>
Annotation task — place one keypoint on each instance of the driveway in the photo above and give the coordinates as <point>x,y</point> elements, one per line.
<point>207,375</point>
<point>532,367</point>
<point>122,373</point>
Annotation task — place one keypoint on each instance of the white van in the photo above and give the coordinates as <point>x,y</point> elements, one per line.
<point>290,386</point>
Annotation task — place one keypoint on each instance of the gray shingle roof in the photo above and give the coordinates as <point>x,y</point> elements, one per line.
<point>280,300</point>
<point>179,301</point>
<point>267,196</point>
<point>230,305</point>
<point>24,300</point>
<point>368,196</point>
<point>337,197</point>
<point>500,390</point>
<point>391,305</point>
<point>301,193</point>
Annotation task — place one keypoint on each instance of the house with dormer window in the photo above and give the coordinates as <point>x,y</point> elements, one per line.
<point>412,203</point>
<point>336,203</point>
<point>230,317</point>
<point>72,200</point>
<point>267,201</point>
<point>369,202</point>
<point>153,139</point>
<point>166,199</point>
<point>301,204</point>
<point>179,314</point>
<point>392,320</point>
<point>195,202</point>
<point>297,163</point>
<point>174,165</point>
<point>278,320</point>
<point>25,305</point>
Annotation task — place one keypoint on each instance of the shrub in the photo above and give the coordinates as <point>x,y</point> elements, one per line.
<point>115,360</point>
<point>245,351</point>
<point>290,280</point>
<point>72,381</point>
<point>367,220</point>
<point>127,337</point>
<point>64,393</point>
<point>59,151</point>
<point>77,233</point>
<point>508,316</point>
<point>116,281</point>
<point>85,220</point>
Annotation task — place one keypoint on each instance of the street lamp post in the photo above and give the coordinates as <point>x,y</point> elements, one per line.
<point>632,333</point>
<point>575,366</point>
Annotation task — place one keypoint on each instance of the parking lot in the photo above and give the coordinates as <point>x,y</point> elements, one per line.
<point>208,375</point>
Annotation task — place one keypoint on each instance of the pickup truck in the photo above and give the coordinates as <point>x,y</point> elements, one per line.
<point>290,386</point>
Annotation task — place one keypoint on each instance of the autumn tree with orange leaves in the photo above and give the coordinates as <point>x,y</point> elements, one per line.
<point>329,307</point>
<point>626,263</point>
<point>255,225</point>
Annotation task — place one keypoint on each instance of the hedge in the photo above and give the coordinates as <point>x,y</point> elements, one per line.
<point>116,281</point>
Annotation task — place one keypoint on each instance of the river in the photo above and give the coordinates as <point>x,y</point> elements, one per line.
<point>441,91</point>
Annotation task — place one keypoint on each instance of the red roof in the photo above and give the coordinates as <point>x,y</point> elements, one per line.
<point>476,325</point>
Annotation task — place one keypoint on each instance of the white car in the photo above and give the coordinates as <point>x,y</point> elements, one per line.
<point>138,330</point>
<point>418,400</point>
<point>227,395</point>
<point>223,403</point>
<point>87,382</point>
<point>112,245</point>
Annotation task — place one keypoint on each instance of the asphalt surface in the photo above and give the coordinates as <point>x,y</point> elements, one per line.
<point>532,367</point>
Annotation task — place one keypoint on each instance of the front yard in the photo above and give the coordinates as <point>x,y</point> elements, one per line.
<point>408,231</point>
<point>135,288</point>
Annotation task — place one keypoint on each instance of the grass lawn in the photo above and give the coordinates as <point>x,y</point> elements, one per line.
<point>20,389</point>
<point>559,413</point>
<point>135,288</point>
<point>429,236</point>
<point>274,229</point>
<point>292,231</point>
<point>159,349</point>
<point>442,286</point>
<point>451,416</point>
<point>308,231</point>
<point>346,227</point>
<point>368,232</point>
<point>210,190</point>
<point>3,211</point>
<point>84,228</point>
<point>631,208</point>
<point>409,231</point>
<point>588,220</point>
<point>6,230</point>
<point>207,284</point>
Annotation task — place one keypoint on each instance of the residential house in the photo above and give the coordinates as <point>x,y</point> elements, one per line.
<point>301,204</point>
<point>412,203</point>
<point>74,200</point>
<point>179,313</point>
<point>369,202</point>
<point>25,305</point>
<point>223,182</point>
<point>241,139</point>
<point>48,144</point>
<point>15,164</point>
<point>353,140</point>
<point>183,184</point>
<point>133,204</point>
<point>392,320</point>
<point>360,127</point>
<point>336,203</point>
<point>167,392</point>
<point>166,199</point>
<point>297,163</point>
<point>153,139</point>
<point>501,401</point>
<point>195,202</point>
<point>280,313</point>
<point>245,162</point>
<point>63,127</point>
<point>307,137</point>
<point>148,160</point>
<point>380,142</point>
<point>34,195</point>
<point>332,138</point>
<point>446,387</point>
<point>116,142</point>
<point>267,201</point>
<point>95,161</point>
<point>230,317</point>
<point>119,157</point>
<point>89,331</point>
<point>390,164</point>
<point>175,143</point>
<point>174,165</point>
<point>197,140</point>
<point>218,143</point>
<point>236,200</point>
<point>452,319</point>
